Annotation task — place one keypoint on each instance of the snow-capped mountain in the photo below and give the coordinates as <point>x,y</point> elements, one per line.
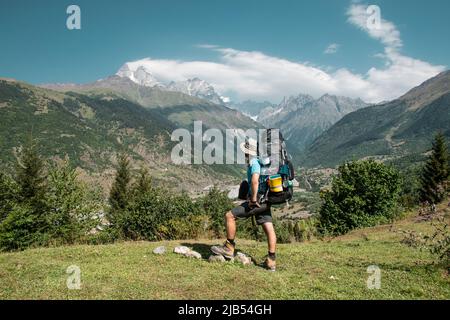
<point>141,75</point>
<point>194,87</point>
<point>302,118</point>
<point>197,88</point>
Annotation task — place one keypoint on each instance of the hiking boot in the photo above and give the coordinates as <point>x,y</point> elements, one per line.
<point>270,264</point>
<point>227,250</point>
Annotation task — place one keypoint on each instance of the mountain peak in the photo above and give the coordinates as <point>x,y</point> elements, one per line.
<point>141,75</point>
<point>195,87</point>
<point>428,91</point>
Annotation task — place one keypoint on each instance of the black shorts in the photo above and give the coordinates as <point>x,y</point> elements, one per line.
<point>262,215</point>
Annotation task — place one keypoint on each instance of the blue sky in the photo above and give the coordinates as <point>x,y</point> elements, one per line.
<point>37,47</point>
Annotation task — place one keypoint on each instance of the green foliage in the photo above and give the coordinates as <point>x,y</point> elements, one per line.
<point>215,204</point>
<point>410,186</point>
<point>154,213</point>
<point>8,195</point>
<point>30,175</point>
<point>150,215</point>
<point>22,228</point>
<point>25,224</point>
<point>54,208</point>
<point>295,231</point>
<point>119,195</point>
<point>437,242</point>
<point>384,131</point>
<point>363,194</point>
<point>144,182</point>
<point>436,172</point>
<point>72,207</point>
<point>190,227</point>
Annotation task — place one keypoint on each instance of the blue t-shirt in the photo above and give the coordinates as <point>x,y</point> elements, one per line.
<point>254,167</point>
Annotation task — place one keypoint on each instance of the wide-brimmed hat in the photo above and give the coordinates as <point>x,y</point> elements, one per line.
<point>250,147</point>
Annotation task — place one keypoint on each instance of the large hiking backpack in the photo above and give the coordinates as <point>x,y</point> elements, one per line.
<point>275,164</point>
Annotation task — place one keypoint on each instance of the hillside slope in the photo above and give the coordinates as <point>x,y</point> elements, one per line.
<point>303,118</point>
<point>395,129</point>
<point>91,129</point>
<point>335,269</point>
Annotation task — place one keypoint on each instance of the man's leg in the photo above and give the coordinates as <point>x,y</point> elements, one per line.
<point>270,262</point>
<point>271,236</point>
<point>230,224</point>
<point>227,250</point>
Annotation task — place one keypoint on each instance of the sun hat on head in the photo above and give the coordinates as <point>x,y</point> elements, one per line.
<point>250,147</point>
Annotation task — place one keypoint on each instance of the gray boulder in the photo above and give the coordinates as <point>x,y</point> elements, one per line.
<point>193,254</point>
<point>243,258</point>
<point>217,258</point>
<point>159,250</point>
<point>181,250</point>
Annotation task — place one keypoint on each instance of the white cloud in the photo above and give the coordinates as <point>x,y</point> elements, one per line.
<point>255,75</point>
<point>386,31</point>
<point>332,48</point>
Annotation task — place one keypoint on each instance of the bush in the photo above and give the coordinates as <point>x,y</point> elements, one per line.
<point>191,227</point>
<point>363,194</point>
<point>22,228</point>
<point>291,231</point>
<point>154,213</point>
<point>72,207</point>
<point>215,204</point>
<point>44,208</point>
<point>437,243</point>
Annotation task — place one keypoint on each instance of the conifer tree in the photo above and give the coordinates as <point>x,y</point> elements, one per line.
<point>119,194</point>
<point>144,182</point>
<point>30,173</point>
<point>435,173</point>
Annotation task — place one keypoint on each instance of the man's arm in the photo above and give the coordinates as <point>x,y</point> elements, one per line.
<point>255,186</point>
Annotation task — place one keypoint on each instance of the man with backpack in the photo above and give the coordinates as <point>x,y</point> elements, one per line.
<point>251,207</point>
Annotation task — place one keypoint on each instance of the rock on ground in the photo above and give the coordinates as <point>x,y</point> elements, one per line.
<point>181,250</point>
<point>243,258</point>
<point>159,250</point>
<point>187,252</point>
<point>217,258</point>
<point>193,254</point>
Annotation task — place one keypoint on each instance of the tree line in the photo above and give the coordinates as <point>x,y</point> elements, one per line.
<point>45,203</point>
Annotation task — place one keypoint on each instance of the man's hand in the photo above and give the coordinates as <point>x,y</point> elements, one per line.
<point>253,204</point>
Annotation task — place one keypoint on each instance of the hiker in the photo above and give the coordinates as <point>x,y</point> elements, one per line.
<point>249,208</point>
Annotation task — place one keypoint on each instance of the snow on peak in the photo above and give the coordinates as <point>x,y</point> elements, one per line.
<point>140,75</point>
<point>195,87</point>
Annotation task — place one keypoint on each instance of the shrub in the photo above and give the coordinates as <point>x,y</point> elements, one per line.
<point>151,215</point>
<point>191,227</point>
<point>284,231</point>
<point>44,206</point>
<point>215,204</point>
<point>437,243</point>
<point>291,231</point>
<point>363,194</point>
<point>72,207</point>
<point>22,228</point>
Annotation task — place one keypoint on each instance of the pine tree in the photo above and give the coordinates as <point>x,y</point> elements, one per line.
<point>30,173</point>
<point>8,195</point>
<point>119,195</point>
<point>436,172</point>
<point>144,183</point>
